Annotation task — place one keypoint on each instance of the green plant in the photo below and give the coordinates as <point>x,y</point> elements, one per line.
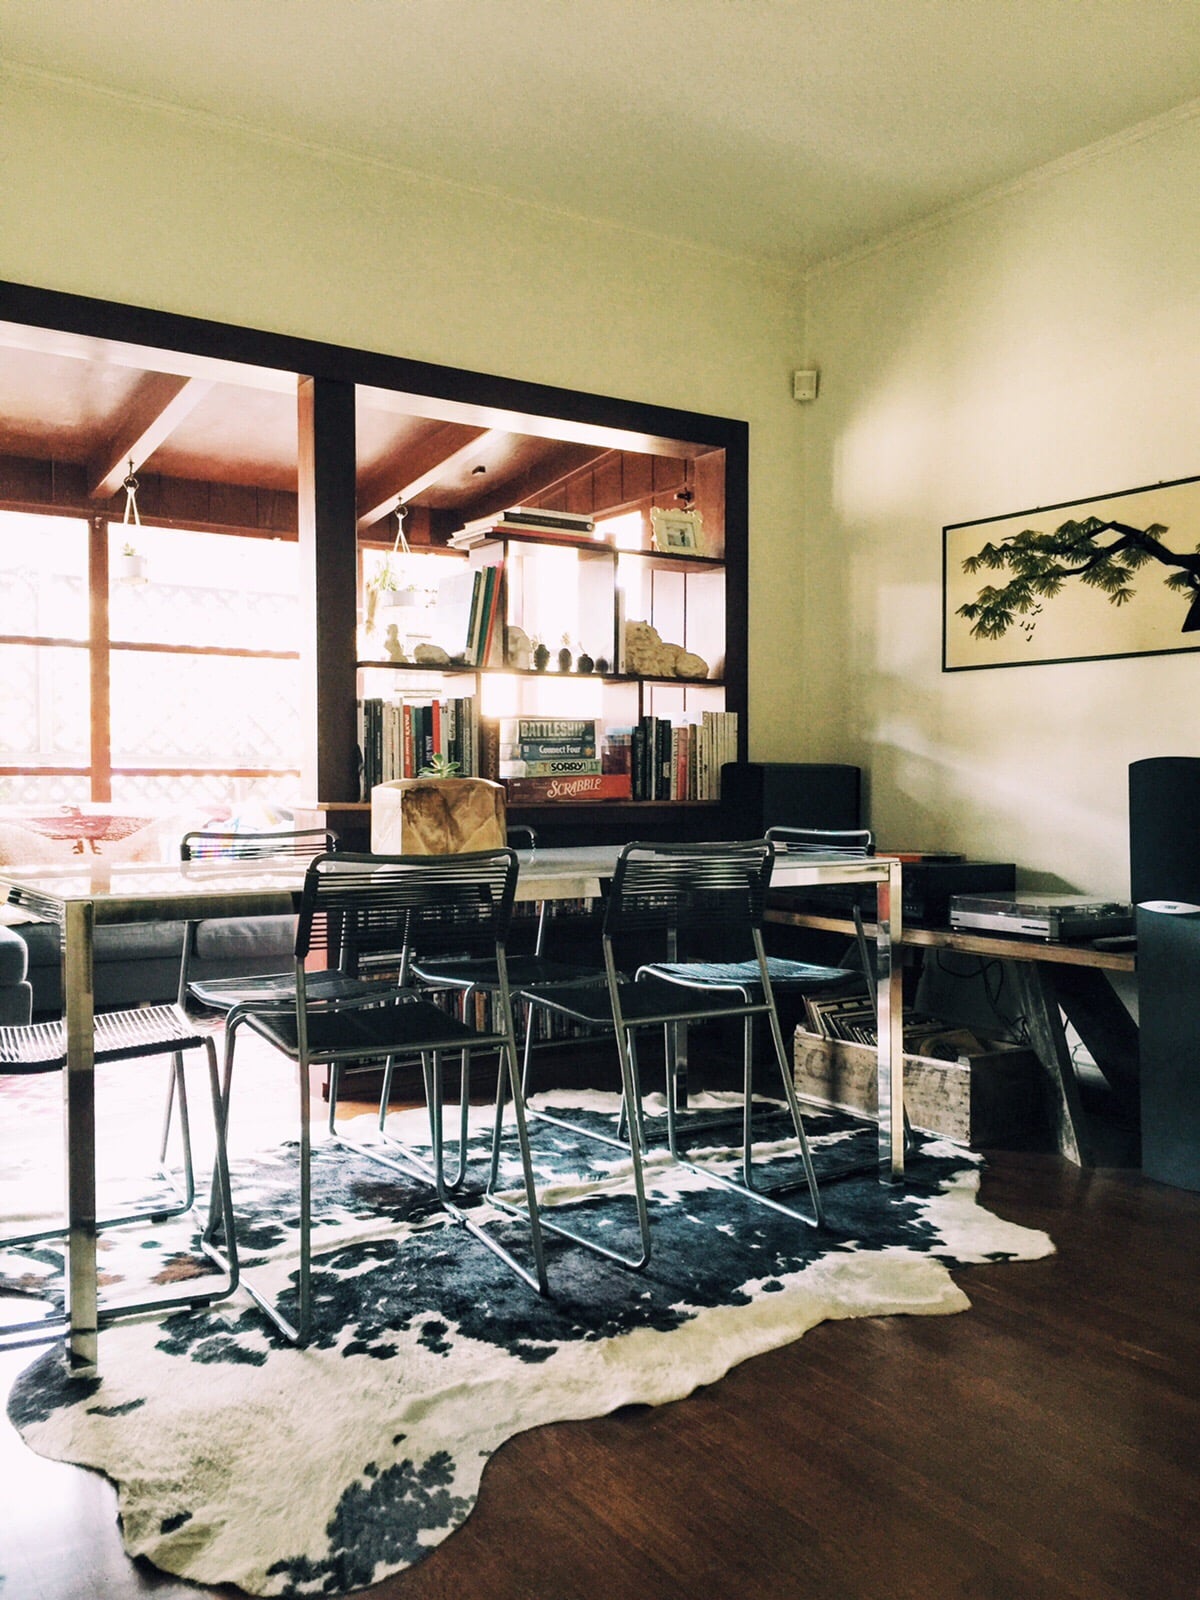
<point>1102,555</point>
<point>440,766</point>
<point>128,550</point>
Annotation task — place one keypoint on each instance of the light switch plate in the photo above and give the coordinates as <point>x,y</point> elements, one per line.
<point>804,385</point>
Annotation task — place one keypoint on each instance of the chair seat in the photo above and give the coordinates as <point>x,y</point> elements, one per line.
<point>524,972</point>
<point>118,1036</point>
<point>275,989</point>
<point>643,1003</point>
<point>394,1028</point>
<point>791,977</point>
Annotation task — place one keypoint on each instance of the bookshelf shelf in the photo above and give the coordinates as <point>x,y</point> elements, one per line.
<point>456,669</point>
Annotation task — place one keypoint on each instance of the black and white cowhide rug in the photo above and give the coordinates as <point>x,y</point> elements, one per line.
<point>240,1460</point>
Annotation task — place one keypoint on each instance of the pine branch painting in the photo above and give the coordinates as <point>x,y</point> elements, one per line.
<point>1099,585</point>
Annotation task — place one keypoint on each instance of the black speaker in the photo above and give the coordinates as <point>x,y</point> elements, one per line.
<point>1164,829</point>
<point>1169,1042</point>
<point>757,795</point>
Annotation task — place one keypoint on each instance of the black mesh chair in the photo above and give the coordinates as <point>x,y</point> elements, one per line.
<point>221,994</point>
<point>372,906</point>
<point>120,1036</point>
<point>807,978</point>
<point>793,980</point>
<point>665,892</point>
<point>476,976</point>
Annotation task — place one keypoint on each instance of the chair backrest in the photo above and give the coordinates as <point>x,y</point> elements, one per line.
<point>368,906</point>
<point>822,841</point>
<point>201,845</point>
<point>696,888</point>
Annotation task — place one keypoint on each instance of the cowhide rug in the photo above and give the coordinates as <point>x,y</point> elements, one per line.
<point>239,1460</point>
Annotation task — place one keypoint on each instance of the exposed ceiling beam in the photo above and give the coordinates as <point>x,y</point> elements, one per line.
<point>414,469</point>
<point>157,407</point>
<point>548,427</point>
<point>557,464</point>
<point>111,352</point>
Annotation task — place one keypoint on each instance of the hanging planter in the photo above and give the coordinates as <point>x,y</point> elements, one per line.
<point>131,566</point>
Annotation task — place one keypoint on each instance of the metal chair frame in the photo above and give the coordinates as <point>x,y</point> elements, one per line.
<point>119,1036</point>
<point>472,977</point>
<point>657,889</point>
<point>370,905</point>
<point>853,842</point>
<point>791,977</point>
<point>267,989</point>
<point>222,994</point>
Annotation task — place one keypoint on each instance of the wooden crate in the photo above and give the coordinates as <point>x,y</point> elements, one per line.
<point>995,1098</point>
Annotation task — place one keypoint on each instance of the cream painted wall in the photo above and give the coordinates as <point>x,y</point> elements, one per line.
<point>1038,349</point>
<point>103,197</point>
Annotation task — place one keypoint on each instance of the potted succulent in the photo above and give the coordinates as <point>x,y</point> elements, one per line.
<point>541,654</point>
<point>440,766</point>
<point>387,590</point>
<point>564,655</point>
<point>384,580</point>
<point>131,565</point>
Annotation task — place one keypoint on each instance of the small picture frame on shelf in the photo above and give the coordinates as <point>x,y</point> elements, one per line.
<point>675,533</point>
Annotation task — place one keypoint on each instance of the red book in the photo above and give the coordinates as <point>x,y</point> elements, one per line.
<point>409,768</point>
<point>587,786</point>
<point>438,747</point>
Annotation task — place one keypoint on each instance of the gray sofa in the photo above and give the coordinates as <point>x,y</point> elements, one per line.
<point>139,961</point>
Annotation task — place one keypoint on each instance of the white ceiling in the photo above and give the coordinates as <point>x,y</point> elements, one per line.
<point>783,130</point>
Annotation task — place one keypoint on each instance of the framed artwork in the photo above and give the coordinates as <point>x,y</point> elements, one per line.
<point>675,532</point>
<point>1086,580</point>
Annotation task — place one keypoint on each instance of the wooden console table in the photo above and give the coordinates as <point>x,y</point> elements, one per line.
<point>1049,981</point>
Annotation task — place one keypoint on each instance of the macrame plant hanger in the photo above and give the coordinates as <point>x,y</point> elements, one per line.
<point>400,546</point>
<point>133,559</point>
<point>400,542</point>
<point>131,506</point>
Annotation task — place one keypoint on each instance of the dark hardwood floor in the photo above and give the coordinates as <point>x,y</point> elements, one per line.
<point>1046,1443</point>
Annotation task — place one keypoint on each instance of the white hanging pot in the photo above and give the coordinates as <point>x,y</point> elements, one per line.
<point>398,599</point>
<point>131,568</point>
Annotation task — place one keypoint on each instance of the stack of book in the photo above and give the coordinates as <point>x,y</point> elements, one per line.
<point>520,519</point>
<point>397,737</point>
<point>681,761</point>
<point>556,758</point>
<point>484,635</point>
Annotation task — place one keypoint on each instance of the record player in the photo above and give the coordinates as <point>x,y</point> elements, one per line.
<point>1034,915</point>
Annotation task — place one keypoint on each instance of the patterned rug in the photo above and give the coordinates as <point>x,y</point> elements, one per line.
<point>239,1460</point>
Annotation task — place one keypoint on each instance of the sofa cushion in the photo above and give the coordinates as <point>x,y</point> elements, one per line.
<point>122,941</point>
<point>234,939</point>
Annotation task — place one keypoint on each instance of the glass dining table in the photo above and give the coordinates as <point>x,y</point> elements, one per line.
<point>93,892</point>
